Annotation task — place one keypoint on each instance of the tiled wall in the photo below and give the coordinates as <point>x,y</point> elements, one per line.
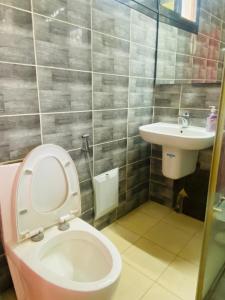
<point>75,67</point>
<point>87,66</point>
<point>191,58</point>
<point>170,101</point>
<point>189,69</point>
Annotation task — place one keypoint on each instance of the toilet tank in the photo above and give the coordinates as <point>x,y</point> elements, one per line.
<point>7,176</point>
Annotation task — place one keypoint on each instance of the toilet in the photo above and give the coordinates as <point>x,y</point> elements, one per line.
<point>52,253</point>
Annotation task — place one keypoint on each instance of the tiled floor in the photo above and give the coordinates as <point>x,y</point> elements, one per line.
<point>160,251</point>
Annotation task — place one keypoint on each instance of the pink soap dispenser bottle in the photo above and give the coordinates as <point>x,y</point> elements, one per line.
<point>212,120</point>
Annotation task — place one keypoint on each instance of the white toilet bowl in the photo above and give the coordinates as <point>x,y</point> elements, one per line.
<point>52,254</point>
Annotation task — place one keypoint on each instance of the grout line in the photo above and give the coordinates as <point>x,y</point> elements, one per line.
<point>32,12</point>
<point>15,63</point>
<point>180,107</point>
<point>169,264</point>
<point>73,112</point>
<point>77,70</point>
<point>190,55</point>
<point>180,99</point>
<point>167,107</point>
<point>211,14</point>
<point>37,80</point>
<point>92,95</point>
<point>14,7</point>
<point>128,106</point>
<point>19,115</point>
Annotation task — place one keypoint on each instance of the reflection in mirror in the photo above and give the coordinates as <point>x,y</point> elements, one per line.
<point>169,4</point>
<point>186,57</point>
<point>184,8</point>
<point>189,9</point>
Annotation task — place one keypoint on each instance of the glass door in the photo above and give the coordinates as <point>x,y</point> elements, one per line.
<point>211,283</point>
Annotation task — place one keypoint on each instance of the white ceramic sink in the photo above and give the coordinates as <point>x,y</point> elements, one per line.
<point>190,138</point>
<point>180,146</point>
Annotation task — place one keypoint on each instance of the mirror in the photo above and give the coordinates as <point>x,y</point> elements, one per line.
<point>186,9</point>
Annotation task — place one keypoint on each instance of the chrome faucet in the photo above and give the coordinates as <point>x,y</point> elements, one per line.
<point>184,120</point>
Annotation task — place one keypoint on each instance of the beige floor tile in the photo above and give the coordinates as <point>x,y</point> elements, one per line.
<point>148,258</point>
<point>181,279</point>
<point>132,286</point>
<point>184,222</point>
<point>192,251</point>
<point>137,222</point>
<point>121,237</point>
<point>155,210</point>
<point>8,295</point>
<point>168,237</point>
<point>157,292</point>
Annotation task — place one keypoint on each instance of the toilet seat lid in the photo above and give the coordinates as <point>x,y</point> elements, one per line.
<point>46,191</point>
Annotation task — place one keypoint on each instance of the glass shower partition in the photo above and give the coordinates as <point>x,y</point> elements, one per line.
<point>211,283</point>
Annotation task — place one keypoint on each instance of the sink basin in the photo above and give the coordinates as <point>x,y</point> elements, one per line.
<point>191,138</point>
<point>180,146</point>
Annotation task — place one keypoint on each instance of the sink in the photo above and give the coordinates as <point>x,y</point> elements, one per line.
<point>190,138</point>
<point>180,146</point>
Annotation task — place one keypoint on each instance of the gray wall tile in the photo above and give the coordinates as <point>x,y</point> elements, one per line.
<point>215,28</point>
<point>141,92</point>
<point>199,96</point>
<point>184,66</point>
<point>204,23</point>
<point>143,29</point>
<point>112,18</point>
<point>161,194</point>
<point>110,55</point>
<point>87,196</point>
<point>62,90</point>
<point>138,117</point>
<point>82,164</point>
<point>166,66</point>
<point>168,115</point>
<point>62,45</point>
<point>77,12</point>
<point>167,95</point>
<point>138,173</point>
<point>142,61</point>
<point>199,70</point>
<point>16,36</point>
<point>110,91</point>
<point>184,42</point>
<point>139,194</point>
<point>122,183</point>
<point>156,173</point>
<point>167,39</point>
<point>138,149</point>
<point>197,117</point>
<point>109,156</point>
<point>19,135</point>
<point>24,4</point>
<point>18,89</point>
<point>66,129</point>
<point>110,125</point>
<point>201,46</point>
